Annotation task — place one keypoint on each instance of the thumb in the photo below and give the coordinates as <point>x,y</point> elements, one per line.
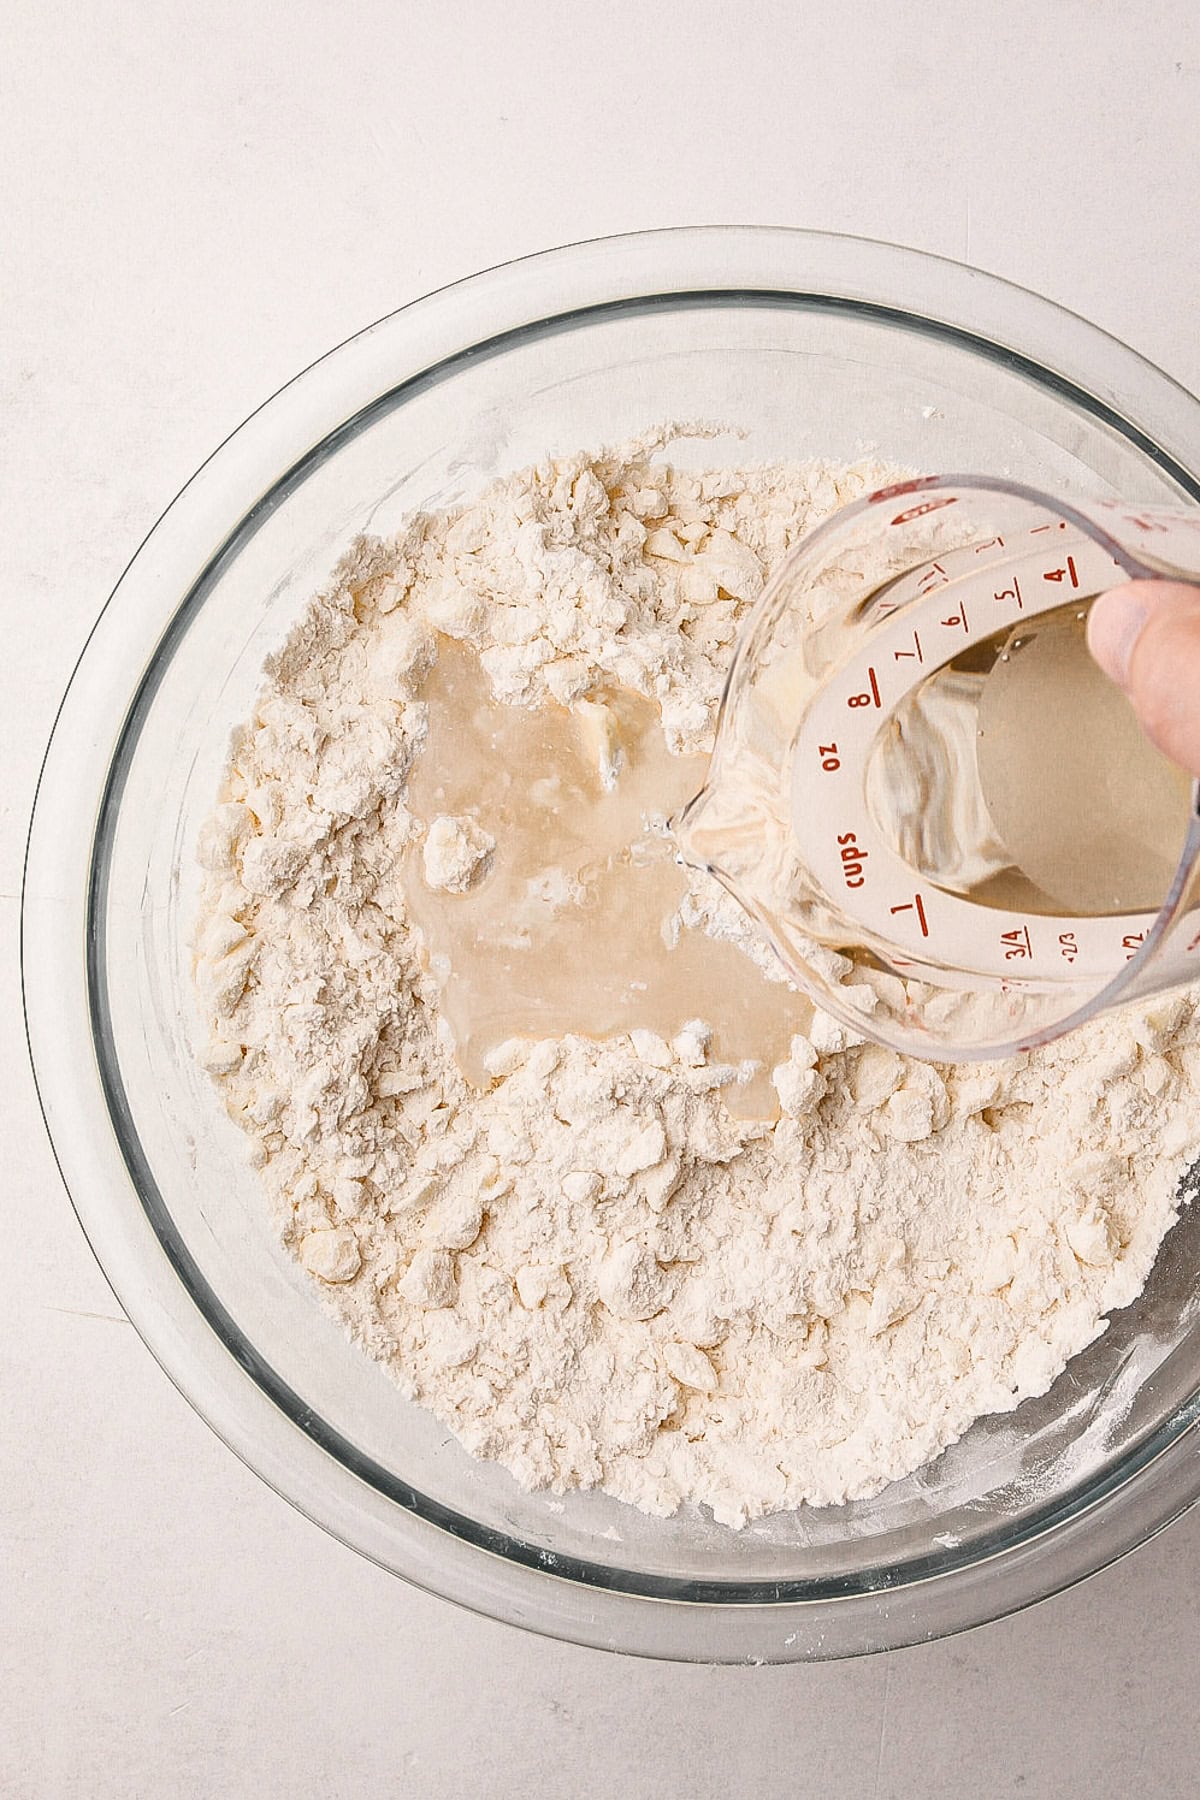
<point>1146,636</point>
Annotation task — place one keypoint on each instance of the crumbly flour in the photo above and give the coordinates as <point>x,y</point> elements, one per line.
<point>592,1272</point>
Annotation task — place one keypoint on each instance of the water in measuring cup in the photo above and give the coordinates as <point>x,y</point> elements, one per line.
<point>1017,776</point>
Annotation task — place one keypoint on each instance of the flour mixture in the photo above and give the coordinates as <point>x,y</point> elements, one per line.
<point>536,1112</point>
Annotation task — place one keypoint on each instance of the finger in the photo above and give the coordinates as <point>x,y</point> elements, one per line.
<point>1146,636</point>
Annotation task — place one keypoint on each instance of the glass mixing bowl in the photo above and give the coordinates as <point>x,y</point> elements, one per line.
<point>808,345</point>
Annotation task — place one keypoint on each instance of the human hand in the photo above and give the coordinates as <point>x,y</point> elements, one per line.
<point>1146,636</point>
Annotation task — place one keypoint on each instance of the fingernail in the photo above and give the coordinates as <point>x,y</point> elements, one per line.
<point>1114,626</point>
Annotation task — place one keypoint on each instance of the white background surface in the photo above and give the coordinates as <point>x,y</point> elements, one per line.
<point>195,201</point>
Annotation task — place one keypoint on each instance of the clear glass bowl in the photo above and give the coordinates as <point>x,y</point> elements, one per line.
<point>810,345</point>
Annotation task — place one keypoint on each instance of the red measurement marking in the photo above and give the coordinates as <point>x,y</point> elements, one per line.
<point>1068,946</point>
<point>1016,944</point>
<point>1060,525</point>
<point>957,619</point>
<point>854,859</point>
<point>1070,573</point>
<point>1010,593</point>
<point>904,487</point>
<point>1131,943</point>
<point>917,905</point>
<point>1194,945</point>
<point>830,757</point>
<point>933,578</point>
<point>987,544</point>
<point>886,608</point>
<point>1142,523</point>
<point>926,506</point>
<point>871,699</point>
<point>899,655</point>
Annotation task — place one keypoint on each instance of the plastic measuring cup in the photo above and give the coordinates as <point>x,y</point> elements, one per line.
<point>938,811</point>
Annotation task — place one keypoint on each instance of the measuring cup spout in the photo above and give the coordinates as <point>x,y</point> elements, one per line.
<point>691,831</point>
<point>723,831</point>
